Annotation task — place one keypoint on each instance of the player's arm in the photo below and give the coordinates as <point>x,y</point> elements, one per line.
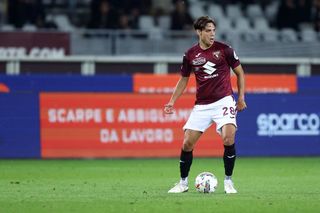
<point>241,104</point>
<point>180,87</point>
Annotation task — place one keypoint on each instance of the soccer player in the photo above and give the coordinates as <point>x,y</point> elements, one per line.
<point>210,61</point>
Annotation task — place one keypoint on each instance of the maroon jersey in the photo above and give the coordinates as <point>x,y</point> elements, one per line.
<point>212,70</point>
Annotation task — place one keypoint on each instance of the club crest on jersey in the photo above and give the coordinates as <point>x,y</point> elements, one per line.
<point>198,61</point>
<point>216,54</point>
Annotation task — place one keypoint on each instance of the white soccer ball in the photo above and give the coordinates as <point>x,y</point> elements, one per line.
<point>206,182</point>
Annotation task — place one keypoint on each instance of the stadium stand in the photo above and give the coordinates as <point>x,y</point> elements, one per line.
<point>238,23</point>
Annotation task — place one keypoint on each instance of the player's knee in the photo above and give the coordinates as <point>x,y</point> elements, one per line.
<point>228,140</point>
<point>187,145</point>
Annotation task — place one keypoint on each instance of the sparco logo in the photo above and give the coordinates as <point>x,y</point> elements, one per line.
<point>288,124</point>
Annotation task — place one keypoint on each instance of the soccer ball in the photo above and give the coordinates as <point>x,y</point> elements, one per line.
<point>206,182</point>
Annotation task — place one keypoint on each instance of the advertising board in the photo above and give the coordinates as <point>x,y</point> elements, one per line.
<point>255,83</point>
<point>116,125</point>
<point>282,125</point>
<point>34,44</point>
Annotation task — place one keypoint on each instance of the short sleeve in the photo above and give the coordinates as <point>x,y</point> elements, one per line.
<point>186,68</point>
<point>232,58</point>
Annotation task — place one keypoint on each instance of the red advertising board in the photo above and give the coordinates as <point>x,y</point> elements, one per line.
<point>268,83</point>
<point>93,125</point>
<point>255,83</point>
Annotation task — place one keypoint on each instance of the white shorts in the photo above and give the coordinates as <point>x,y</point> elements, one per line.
<point>221,112</point>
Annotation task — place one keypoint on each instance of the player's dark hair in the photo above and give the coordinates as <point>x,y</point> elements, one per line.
<point>202,21</point>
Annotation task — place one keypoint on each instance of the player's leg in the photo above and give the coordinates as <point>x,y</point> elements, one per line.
<point>197,123</point>
<point>186,157</point>
<point>225,119</point>
<point>229,157</point>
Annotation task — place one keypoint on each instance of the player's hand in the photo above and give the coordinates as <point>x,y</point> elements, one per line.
<point>241,105</point>
<point>168,109</point>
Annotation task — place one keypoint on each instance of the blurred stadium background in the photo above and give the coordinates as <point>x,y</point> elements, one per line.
<point>88,78</point>
<point>256,28</point>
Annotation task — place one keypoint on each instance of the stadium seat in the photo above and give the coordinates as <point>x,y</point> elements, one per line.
<point>216,12</point>
<point>261,24</point>
<point>196,10</point>
<point>309,35</point>
<point>252,35</point>
<point>29,28</point>
<point>232,37</point>
<point>63,22</point>
<point>224,24</point>
<point>7,27</point>
<point>270,35</point>
<point>288,35</point>
<point>220,35</point>
<point>254,11</point>
<point>164,22</point>
<point>242,24</point>
<point>271,11</point>
<point>233,11</point>
<point>146,22</point>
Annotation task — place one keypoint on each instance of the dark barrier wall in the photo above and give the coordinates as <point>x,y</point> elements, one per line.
<point>273,124</point>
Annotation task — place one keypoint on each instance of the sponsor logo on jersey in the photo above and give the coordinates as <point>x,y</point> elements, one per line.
<point>198,61</point>
<point>210,76</point>
<point>216,54</point>
<point>209,67</point>
<point>198,55</point>
<point>288,124</point>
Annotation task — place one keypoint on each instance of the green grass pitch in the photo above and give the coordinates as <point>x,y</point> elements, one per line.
<point>141,185</point>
